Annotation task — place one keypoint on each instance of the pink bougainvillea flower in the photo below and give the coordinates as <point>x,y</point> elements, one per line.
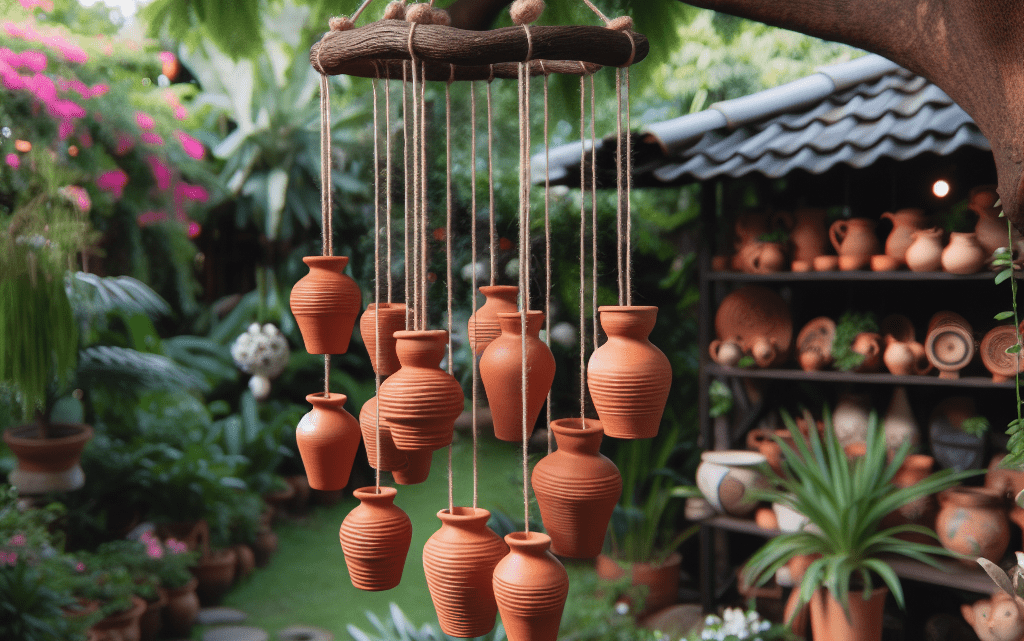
<point>166,56</point>
<point>154,550</point>
<point>180,113</point>
<point>17,540</point>
<point>45,5</point>
<point>33,60</point>
<point>70,51</point>
<point>65,129</point>
<point>79,567</point>
<point>176,546</point>
<point>194,229</point>
<point>98,90</point>
<point>161,173</point>
<point>113,182</point>
<point>16,30</point>
<point>78,196</point>
<point>192,147</point>
<point>152,138</point>
<point>197,193</point>
<point>146,219</point>
<point>75,85</point>
<point>125,143</point>
<point>12,79</point>
<point>42,87</point>
<point>144,120</point>
<point>13,161</point>
<point>65,109</point>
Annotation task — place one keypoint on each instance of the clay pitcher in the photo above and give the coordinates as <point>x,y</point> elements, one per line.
<point>387,457</point>
<point>530,586</point>
<point>972,521</point>
<point>325,303</point>
<point>898,357</point>
<point>854,238</point>
<point>806,232</point>
<point>904,223</point>
<point>990,229</point>
<point>384,319</point>
<point>925,252</point>
<point>870,345</point>
<point>327,437</point>
<point>577,488</point>
<point>629,378</point>
<point>964,254</point>
<point>483,324</point>
<point>375,538</point>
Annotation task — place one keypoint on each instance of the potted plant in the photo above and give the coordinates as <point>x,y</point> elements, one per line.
<point>171,562</point>
<point>140,558</point>
<point>845,502</point>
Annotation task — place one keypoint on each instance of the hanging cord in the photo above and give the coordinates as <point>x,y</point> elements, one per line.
<point>490,181</point>
<point>583,250</point>
<point>376,278</point>
<point>355,16</point>
<point>408,204</point>
<point>618,183</point>
<point>448,248</point>
<point>423,194</point>
<point>473,259</point>
<point>547,242</point>
<point>593,208</point>
<point>417,281</point>
<point>629,191</point>
<point>600,15</point>
<point>387,169</point>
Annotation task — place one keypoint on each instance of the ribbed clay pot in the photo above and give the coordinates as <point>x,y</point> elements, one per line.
<point>181,610</point>
<point>375,538</point>
<point>629,378</point>
<point>483,325</point>
<point>973,521</point>
<point>420,401</point>
<point>328,438</point>
<point>459,561</point>
<point>501,368</point>
<point>325,303</point>
<point>530,586</point>
<point>384,319</point>
<point>577,488</point>
<point>391,458</point>
<point>418,469</point>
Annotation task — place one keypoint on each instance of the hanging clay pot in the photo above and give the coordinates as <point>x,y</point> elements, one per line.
<point>990,229</point>
<point>629,378</point>
<point>384,319</point>
<point>904,223</point>
<point>925,252</point>
<point>850,418</point>
<point>375,538</point>
<point>829,620</point>
<point>459,561</point>
<point>391,458</point>
<point>421,401</point>
<point>325,303</point>
<point>577,488</point>
<point>727,478</point>
<point>483,325</point>
<point>806,232</point>
<point>501,367</point>
<point>418,469</point>
<point>530,586</point>
<point>899,424</point>
<point>328,438</point>
<point>964,254</point>
<point>993,353</point>
<point>972,521</point>
<point>950,343</point>
<point>855,242</point>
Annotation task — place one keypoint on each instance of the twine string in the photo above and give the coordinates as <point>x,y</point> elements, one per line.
<point>629,206</point>
<point>473,259</point>
<point>600,15</point>
<point>327,248</point>
<point>407,179</point>
<point>583,235</point>
<point>387,169</point>
<point>448,250</point>
<point>524,277</point>
<point>593,210</point>
<point>547,242</point>
<point>355,16</point>
<point>423,192</point>
<point>376,281</point>
<point>490,181</point>
<point>414,151</point>
<point>618,183</point>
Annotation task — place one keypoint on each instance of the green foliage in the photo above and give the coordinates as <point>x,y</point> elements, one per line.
<point>975,426</point>
<point>721,398</point>
<point>850,324</point>
<point>397,627</point>
<point>31,610</point>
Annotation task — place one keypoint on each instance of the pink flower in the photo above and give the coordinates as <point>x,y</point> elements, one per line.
<point>13,161</point>
<point>144,120</point>
<point>12,79</point>
<point>194,229</point>
<point>151,218</point>
<point>65,109</point>
<point>176,546</point>
<point>161,172</point>
<point>98,90</point>
<point>154,550</point>
<point>152,138</point>
<point>113,182</point>
<point>64,129</point>
<point>78,197</point>
<point>193,192</point>
<point>124,144</point>
<point>45,5</point>
<point>166,56</point>
<point>70,51</point>
<point>32,60</point>
<point>17,540</point>
<point>180,112</point>
<point>8,558</point>
<point>148,537</point>
<point>192,147</point>
<point>75,85</point>
<point>79,567</point>
<point>42,87</point>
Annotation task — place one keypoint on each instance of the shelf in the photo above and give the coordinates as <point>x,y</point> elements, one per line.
<point>953,575</point>
<point>857,275</point>
<point>851,377</point>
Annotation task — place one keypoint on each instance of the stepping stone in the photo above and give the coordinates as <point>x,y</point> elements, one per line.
<point>235,633</point>
<point>220,616</point>
<point>304,633</point>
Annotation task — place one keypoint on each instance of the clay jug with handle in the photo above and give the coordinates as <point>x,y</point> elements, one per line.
<point>904,223</point>
<point>855,238</point>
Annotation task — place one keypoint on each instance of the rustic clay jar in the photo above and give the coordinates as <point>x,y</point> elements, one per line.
<point>629,378</point>
<point>216,573</point>
<point>577,488</point>
<point>925,253</point>
<point>854,237</point>
<point>814,344</point>
<point>829,620</point>
<point>949,344</point>
<point>972,521</point>
<point>964,254</point>
<point>375,538</point>
<point>869,344</point>
<point>850,418</point>
<point>387,457</point>
<point>530,586</point>
<point>384,319</point>
<point>1006,481</point>
<point>122,625</point>
<point>726,478</point>
<point>760,257</point>
<point>421,401</point>
<point>418,469</point>
<point>483,325</point>
<point>806,232</point>
<point>328,438</point>
<point>660,579</point>
<point>459,561</point>
<point>904,223</point>
<point>993,348</point>
<point>501,371</point>
<point>921,363</point>
<point>325,303</point>
<point>759,321</point>
<point>999,618</point>
<point>726,353</point>
<point>898,357</point>
<point>990,229</point>
<point>898,423</point>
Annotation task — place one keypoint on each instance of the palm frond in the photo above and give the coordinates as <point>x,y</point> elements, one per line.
<point>92,296</point>
<point>131,370</point>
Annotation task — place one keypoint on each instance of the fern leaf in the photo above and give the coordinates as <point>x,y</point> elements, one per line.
<point>131,370</point>
<point>92,296</point>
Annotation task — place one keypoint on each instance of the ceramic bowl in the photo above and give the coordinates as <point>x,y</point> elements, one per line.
<point>827,263</point>
<point>727,477</point>
<point>884,263</point>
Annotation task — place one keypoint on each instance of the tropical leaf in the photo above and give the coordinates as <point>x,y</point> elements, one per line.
<point>128,369</point>
<point>93,295</point>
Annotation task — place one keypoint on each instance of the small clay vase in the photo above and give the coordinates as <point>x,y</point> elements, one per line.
<point>384,319</point>
<point>806,232</point>
<point>629,378</point>
<point>869,344</point>
<point>993,348</point>
<point>854,238</point>
<point>418,469</point>
<point>328,438</point>
<point>459,561</point>
<point>949,344</point>
<point>325,303</point>
<point>898,423</point>
<point>501,371</point>
<point>925,252</point>
<point>375,538</point>
<point>964,254</point>
<point>814,344</point>
<point>390,457</point>
<point>577,488</point>
<point>973,521</point>
<point>898,357</point>
<point>530,586</point>
<point>904,223</point>
<point>727,477</point>
<point>483,325</point>
<point>760,440</point>
<point>726,353</point>
<point>181,611</point>
<point>421,401</point>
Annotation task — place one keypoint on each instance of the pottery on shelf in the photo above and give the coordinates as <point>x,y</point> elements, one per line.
<point>483,324</point>
<point>825,263</point>
<point>898,423</point>
<point>869,345</point>
<point>814,344</point>
<point>391,458</point>
<point>949,344</point>
<point>760,440</point>
<point>726,478</point>
<point>421,401</point>
<point>964,254</point>
<point>757,319</point>
<point>750,226</point>
<point>925,253</point>
<point>990,228</point>
<point>501,371</point>
<point>1007,481</point>
<point>327,437</point>
<point>382,319</point>
<point>999,618</point>
<point>577,488</point>
<point>993,348</point>
<point>49,464</point>
<point>899,327</point>
<point>973,521</point>
<point>760,257</point>
<point>325,303</point>
<point>530,586</point>
<point>725,353</point>
<point>459,561</point>
<point>629,377</point>
<point>854,240</point>
<point>850,418</point>
<point>807,232</point>
<point>884,263</point>
<point>418,469</point>
<point>951,446</point>
<point>375,538</point>
<point>904,223</point>
<point>898,357</point>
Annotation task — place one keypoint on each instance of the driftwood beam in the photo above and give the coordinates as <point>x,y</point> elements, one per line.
<point>392,69</point>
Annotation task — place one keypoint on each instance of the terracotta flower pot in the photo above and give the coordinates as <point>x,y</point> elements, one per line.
<point>420,401</point>
<point>661,579</point>
<point>216,573</point>
<point>123,625</point>
<point>629,378</point>
<point>182,609</point>
<point>328,438</point>
<point>459,561</point>
<point>829,622</point>
<point>150,620</point>
<point>973,521</point>
<point>325,303</point>
<point>530,586</point>
<point>417,470</point>
<point>375,538</point>
<point>391,318</point>
<point>501,367</point>
<point>577,488</point>
<point>50,464</point>
<point>391,458</point>
<point>483,325</point>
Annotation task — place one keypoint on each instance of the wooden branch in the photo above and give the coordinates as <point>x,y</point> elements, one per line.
<point>392,69</point>
<point>389,40</point>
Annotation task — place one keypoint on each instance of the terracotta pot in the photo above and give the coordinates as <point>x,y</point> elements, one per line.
<point>758,320</point>
<point>391,318</point>
<point>629,378</point>
<point>661,579</point>
<point>725,353</point>
<point>950,343</point>
<point>375,538</point>
<point>904,223</point>
<point>325,303</point>
<point>483,325</point>
<point>577,488</point>
<point>328,438</point>
<point>925,253</point>
<point>417,470</point>
<point>990,228</point>
<point>899,358</point>
<point>122,626</point>
<point>150,620</point>
<point>898,423</point>
<point>964,254</point>
<point>854,238</point>
<point>973,521</point>
<point>50,464</point>
<point>884,263</point>
<point>749,226</point>
<point>1008,481</point>
<point>216,573</point>
<point>726,478</point>
<point>501,368</point>
<point>814,344</point>
<point>459,561</point>
<point>530,586</point>
<point>830,623</point>
<point>993,348</point>
<point>868,344</point>
<point>761,258</point>
<point>899,327</point>
<point>806,232</point>
<point>391,458</point>
<point>420,401</point>
<point>182,610</point>
<point>245,561</point>
<point>850,418</point>
<point>264,546</point>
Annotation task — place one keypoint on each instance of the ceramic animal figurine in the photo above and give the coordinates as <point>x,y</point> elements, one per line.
<point>1000,618</point>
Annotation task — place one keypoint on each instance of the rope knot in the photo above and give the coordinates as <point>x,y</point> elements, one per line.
<point>524,12</point>
<point>340,23</point>
<point>419,14</point>
<point>395,10</point>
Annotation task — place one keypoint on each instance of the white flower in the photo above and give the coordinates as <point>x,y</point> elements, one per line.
<point>621,608</point>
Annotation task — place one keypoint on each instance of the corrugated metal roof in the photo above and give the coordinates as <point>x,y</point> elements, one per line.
<point>851,113</point>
